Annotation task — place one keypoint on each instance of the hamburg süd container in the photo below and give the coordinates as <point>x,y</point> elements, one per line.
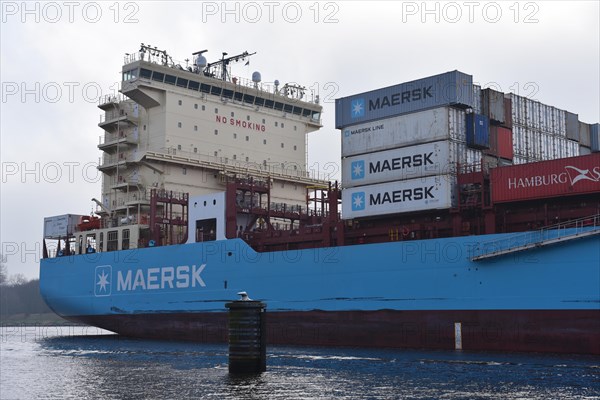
<point>450,88</point>
<point>562,177</point>
<point>443,123</point>
<point>478,131</point>
<point>436,158</point>
<point>428,193</point>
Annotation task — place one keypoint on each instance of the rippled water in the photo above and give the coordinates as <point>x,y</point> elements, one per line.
<point>78,363</point>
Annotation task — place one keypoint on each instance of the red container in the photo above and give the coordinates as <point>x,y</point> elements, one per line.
<point>501,142</point>
<point>504,141</point>
<point>566,176</point>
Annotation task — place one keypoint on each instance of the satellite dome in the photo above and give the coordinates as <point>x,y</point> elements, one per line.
<point>276,82</point>
<point>201,61</point>
<point>256,77</point>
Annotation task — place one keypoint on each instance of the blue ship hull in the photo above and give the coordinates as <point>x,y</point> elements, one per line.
<point>401,294</point>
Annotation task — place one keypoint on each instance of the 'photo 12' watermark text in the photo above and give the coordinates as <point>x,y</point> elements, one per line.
<point>53,12</point>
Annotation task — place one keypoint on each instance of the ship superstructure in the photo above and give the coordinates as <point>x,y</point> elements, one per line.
<point>186,129</point>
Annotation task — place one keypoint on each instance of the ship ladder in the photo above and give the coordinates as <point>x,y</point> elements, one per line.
<point>549,235</point>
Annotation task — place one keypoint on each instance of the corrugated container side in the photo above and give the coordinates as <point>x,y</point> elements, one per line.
<point>508,112</point>
<point>429,193</point>
<point>493,105</point>
<point>493,150</point>
<point>584,134</point>
<point>478,131</point>
<point>561,177</point>
<point>560,122</point>
<point>450,88</point>
<point>595,137</point>
<point>518,109</point>
<point>505,143</point>
<point>444,123</point>
<point>477,99</point>
<point>437,158</point>
<point>572,126</point>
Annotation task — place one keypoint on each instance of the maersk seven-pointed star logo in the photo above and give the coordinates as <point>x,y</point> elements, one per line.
<point>358,201</point>
<point>357,108</point>
<point>358,169</point>
<point>102,280</point>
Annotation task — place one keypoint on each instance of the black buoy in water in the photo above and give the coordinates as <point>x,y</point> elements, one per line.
<point>247,335</point>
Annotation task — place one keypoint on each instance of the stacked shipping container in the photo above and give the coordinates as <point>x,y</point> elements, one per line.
<point>401,145</point>
<point>542,132</point>
<point>404,157</point>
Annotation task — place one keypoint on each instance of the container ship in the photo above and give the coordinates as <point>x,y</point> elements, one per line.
<point>466,218</point>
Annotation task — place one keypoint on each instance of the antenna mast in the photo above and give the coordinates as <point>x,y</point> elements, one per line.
<point>223,63</point>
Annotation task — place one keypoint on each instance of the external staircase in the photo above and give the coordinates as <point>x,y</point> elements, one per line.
<point>549,235</point>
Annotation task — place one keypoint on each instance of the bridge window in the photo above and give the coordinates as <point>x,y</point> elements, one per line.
<point>182,82</point>
<point>228,94</point>
<point>170,79</point>
<point>145,73</point>
<point>158,76</point>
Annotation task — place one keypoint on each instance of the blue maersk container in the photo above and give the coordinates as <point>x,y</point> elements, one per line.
<point>595,137</point>
<point>478,131</point>
<point>450,88</point>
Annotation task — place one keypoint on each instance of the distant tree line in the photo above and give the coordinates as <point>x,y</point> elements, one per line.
<point>18,295</point>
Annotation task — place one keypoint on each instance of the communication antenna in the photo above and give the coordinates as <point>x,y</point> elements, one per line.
<point>222,65</point>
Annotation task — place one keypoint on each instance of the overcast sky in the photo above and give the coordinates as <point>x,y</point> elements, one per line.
<point>57,58</point>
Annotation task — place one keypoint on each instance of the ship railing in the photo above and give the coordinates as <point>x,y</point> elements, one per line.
<point>249,167</point>
<point>111,98</point>
<point>130,134</point>
<point>551,234</point>
<point>126,109</point>
<point>308,95</point>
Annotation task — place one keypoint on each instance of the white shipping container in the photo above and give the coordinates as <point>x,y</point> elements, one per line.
<point>560,122</point>
<point>533,114</point>
<point>427,159</point>
<point>428,193</point>
<point>520,160</point>
<point>477,106</point>
<point>474,158</point>
<point>572,148</point>
<point>443,123</point>
<point>60,225</point>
